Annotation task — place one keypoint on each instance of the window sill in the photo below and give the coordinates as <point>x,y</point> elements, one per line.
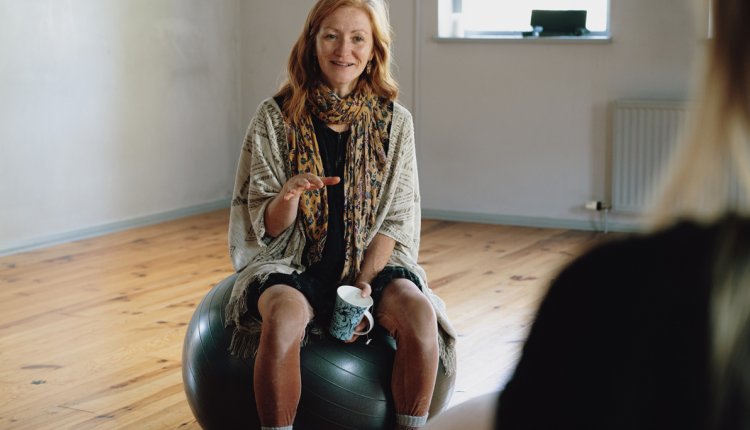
<point>597,39</point>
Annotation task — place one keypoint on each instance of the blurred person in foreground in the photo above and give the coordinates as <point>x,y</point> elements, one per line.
<point>653,331</point>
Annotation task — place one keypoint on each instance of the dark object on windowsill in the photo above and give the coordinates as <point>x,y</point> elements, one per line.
<point>557,23</point>
<point>576,33</point>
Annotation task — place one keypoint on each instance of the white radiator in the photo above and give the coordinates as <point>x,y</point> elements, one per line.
<point>644,134</point>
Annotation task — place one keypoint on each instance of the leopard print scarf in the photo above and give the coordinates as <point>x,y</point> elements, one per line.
<point>369,118</point>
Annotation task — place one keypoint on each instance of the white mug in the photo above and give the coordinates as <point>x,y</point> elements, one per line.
<point>349,311</point>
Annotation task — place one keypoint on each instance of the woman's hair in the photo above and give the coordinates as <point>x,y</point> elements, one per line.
<point>729,316</point>
<point>714,156</point>
<point>304,73</point>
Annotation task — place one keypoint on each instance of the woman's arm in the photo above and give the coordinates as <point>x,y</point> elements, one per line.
<point>402,221</point>
<point>376,257</point>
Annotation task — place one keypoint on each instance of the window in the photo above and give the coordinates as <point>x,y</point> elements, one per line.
<point>486,18</point>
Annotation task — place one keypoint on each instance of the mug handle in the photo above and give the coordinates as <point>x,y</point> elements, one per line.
<point>367,315</point>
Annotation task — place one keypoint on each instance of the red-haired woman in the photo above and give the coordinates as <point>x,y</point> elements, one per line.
<point>327,194</point>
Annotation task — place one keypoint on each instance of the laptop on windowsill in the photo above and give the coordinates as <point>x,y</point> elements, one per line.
<point>557,23</point>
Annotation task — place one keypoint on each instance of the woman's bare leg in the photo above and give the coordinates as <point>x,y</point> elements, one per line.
<point>409,317</point>
<point>277,382</point>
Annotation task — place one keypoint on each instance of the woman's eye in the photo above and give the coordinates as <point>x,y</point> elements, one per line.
<point>359,39</point>
<point>329,36</point>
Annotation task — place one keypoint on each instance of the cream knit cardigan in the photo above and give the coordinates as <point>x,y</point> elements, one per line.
<point>261,173</point>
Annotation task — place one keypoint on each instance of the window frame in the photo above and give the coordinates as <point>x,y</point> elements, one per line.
<point>446,9</point>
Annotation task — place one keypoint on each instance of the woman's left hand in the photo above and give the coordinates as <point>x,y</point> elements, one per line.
<point>365,287</point>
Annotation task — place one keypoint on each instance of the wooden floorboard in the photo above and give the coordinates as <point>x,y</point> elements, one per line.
<point>91,331</point>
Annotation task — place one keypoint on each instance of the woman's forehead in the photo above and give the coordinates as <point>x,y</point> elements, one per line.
<point>347,19</point>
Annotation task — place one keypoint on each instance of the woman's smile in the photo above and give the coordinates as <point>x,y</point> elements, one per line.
<point>342,64</point>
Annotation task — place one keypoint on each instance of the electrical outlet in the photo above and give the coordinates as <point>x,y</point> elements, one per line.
<point>596,205</point>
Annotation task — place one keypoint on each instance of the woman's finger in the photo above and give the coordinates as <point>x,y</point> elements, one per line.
<point>365,287</point>
<point>362,326</point>
<point>307,181</point>
<point>330,180</point>
<point>295,187</point>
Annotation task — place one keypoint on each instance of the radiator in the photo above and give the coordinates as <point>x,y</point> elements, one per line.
<point>644,134</point>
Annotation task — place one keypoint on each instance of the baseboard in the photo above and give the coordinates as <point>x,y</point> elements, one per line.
<point>594,224</point>
<point>100,230</point>
<point>524,221</point>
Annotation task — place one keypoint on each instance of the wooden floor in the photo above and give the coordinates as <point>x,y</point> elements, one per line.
<point>91,331</point>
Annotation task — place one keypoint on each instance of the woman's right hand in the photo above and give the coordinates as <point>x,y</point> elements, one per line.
<point>282,211</point>
<point>297,184</point>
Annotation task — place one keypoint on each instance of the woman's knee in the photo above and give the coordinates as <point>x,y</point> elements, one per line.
<point>405,311</point>
<point>285,313</point>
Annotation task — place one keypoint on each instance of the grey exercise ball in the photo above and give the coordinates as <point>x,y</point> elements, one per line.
<point>343,386</point>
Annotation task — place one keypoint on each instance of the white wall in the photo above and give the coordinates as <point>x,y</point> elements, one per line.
<point>113,111</point>
<point>520,130</point>
<point>506,131</point>
<point>269,29</point>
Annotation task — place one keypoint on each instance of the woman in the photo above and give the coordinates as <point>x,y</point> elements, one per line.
<point>653,332</point>
<point>326,194</point>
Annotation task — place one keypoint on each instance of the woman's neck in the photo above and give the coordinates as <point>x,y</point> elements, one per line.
<point>338,128</point>
<point>342,91</point>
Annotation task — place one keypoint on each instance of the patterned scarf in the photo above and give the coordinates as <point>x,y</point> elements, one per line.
<point>368,117</point>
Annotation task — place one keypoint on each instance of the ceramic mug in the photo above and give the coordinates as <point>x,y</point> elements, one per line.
<point>349,311</point>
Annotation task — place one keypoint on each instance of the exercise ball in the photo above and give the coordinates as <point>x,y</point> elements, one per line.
<point>344,386</point>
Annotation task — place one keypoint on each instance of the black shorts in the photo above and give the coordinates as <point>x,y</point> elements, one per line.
<point>320,295</point>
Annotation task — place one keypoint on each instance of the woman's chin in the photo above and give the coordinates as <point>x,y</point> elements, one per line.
<point>343,85</point>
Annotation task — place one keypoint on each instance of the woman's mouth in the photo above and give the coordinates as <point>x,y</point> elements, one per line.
<point>341,64</point>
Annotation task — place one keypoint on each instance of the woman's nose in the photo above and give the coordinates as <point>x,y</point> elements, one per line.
<point>341,47</point>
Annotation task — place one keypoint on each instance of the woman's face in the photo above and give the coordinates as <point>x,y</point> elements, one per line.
<point>344,46</point>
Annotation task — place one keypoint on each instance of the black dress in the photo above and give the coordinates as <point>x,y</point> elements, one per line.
<point>319,281</point>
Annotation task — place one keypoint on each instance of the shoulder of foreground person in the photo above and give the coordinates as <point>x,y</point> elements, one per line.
<point>620,270</point>
<point>656,250</point>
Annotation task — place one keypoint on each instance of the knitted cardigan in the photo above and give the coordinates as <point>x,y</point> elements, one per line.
<point>261,173</point>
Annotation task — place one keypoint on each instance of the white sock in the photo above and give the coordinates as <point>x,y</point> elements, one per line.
<point>411,421</point>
